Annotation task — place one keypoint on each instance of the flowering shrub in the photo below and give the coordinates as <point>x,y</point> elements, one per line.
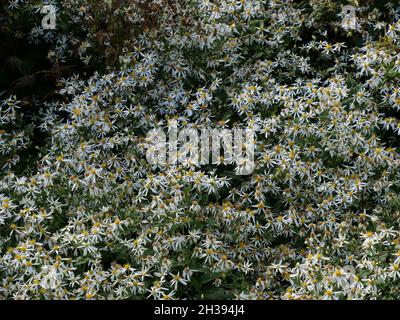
<point>318,218</point>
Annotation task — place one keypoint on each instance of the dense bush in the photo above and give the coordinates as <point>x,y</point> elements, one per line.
<point>89,218</point>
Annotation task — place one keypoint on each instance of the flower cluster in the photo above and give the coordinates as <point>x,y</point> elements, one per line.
<point>318,218</point>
